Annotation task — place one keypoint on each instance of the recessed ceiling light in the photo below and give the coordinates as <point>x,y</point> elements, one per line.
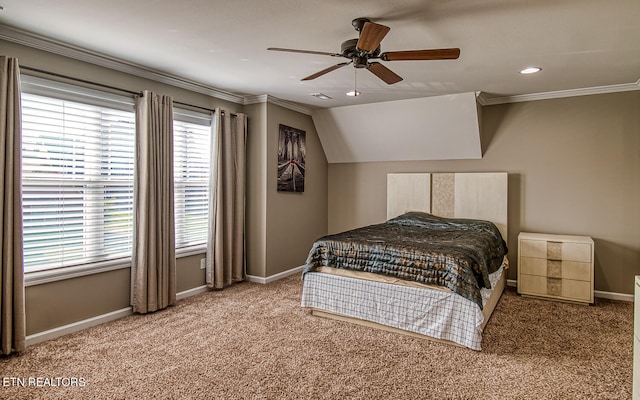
<point>353,93</point>
<point>321,96</point>
<point>531,70</point>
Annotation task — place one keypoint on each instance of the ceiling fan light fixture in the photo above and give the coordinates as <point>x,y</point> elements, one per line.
<point>353,93</point>
<point>530,70</point>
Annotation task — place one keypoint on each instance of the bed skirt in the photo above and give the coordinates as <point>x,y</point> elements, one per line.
<point>435,313</point>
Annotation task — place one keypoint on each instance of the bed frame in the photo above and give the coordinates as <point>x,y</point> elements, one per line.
<point>452,195</point>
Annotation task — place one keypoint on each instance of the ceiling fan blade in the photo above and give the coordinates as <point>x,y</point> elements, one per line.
<point>321,53</point>
<point>371,36</point>
<point>325,71</point>
<point>409,55</point>
<point>384,73</point>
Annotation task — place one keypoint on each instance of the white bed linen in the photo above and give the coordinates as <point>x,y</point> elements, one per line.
<point>432,312</point>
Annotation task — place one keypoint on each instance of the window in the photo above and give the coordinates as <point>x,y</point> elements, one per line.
<point>77,162</point>
<point>191,138</point>
<point>78,148</point>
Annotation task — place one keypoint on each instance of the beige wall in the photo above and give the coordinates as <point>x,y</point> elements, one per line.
<point>59,303</point>
<point>574,168</point>
<point>55,304</point>
<point>294,220</point>
<point>189,275</point>
<point>256,211</point>
<point>281,226</point>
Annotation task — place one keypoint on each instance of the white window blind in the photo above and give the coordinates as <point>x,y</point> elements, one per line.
<point>191,137</point>
<point>77,163</point>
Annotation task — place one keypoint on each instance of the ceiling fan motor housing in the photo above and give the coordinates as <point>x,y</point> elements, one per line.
<point>360,62</point>
<point>349,49</point>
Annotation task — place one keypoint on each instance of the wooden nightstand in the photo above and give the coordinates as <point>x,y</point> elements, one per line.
<point>556,267</point>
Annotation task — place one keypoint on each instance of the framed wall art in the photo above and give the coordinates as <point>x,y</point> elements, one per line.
<point>291,159</point>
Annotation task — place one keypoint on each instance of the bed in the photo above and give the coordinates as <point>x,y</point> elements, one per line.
<point>435,268</point>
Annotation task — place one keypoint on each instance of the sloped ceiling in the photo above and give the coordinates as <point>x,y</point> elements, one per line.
<point>431,128</point>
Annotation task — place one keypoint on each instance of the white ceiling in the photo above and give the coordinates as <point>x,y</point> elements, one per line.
<point>222,44</point>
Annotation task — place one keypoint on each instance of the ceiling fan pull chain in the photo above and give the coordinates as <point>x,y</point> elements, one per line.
<point>355,84</point>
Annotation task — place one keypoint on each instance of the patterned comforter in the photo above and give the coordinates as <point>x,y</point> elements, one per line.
<point>458,254</point>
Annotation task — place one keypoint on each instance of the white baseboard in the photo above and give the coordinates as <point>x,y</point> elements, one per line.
<point>596,293</point>
<point>273,278</point>
<point>191,292</point>
<point>77,326</point>
<point>97,320</point>
<point>613,296</point>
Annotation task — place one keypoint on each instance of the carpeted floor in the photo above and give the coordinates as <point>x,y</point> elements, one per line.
<point>253,341</point>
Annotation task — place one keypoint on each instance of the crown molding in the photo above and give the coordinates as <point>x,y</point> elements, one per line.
<point>485,99</point>
<point>32,40</point>
<point>259,98</point>
<point>265,98</point>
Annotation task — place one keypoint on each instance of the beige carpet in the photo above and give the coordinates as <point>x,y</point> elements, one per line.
<point>254,341</point>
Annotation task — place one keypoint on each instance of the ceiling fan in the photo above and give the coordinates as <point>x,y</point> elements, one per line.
<point>361,51</point>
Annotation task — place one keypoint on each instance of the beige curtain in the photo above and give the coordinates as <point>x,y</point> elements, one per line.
<point>12,318</point>
<point>225,247</point>
<point>153,259</point>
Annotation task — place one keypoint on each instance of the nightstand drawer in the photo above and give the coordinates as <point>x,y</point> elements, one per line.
<point>553,250</point>
<point>568,289</point>
<point>580,271</point>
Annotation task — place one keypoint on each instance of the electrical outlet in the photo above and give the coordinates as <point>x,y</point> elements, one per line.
<point>203,264</point>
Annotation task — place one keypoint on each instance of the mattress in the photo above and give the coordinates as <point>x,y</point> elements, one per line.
<point>455,253</point>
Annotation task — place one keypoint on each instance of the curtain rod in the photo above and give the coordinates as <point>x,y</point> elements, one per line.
<point>80,80</point>
<point>202,108</point>
<point>131,92</point>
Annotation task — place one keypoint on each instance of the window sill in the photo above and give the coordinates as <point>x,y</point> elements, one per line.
<point>191,251</point>
<point>59,274</point>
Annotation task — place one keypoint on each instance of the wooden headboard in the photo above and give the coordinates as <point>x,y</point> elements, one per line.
<point>477,195</point>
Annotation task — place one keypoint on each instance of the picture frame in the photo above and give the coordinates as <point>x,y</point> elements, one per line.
<point>292,151</point>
